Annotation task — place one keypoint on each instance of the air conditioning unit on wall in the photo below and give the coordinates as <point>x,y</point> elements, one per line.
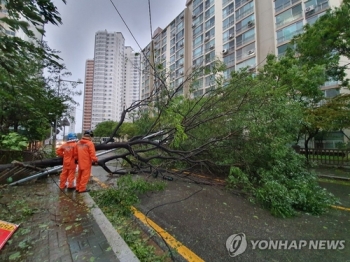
<point>224,51</point>
<point>251,52</point>
<point>309,9</point>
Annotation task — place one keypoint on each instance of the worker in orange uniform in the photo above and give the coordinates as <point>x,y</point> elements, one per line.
<point>86,156</point>
<point>68,152</point>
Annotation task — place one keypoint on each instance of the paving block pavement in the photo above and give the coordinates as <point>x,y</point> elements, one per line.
<point>66,226</point>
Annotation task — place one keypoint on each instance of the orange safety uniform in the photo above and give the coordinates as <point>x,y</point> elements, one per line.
<point>86,156</point>
<point>68,152</point>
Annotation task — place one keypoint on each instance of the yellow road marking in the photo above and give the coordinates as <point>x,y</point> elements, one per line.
<point>341,208</point>
<point>171,241</point>
<point>103,185</point>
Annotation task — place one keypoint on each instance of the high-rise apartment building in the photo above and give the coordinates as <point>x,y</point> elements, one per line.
<point>132,69</point>
<point>20,33</point>
<point>241,33</point>
<point>111,79</point>
<point>88,88</point>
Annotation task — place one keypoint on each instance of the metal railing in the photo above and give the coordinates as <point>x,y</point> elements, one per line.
<point>339,157</point>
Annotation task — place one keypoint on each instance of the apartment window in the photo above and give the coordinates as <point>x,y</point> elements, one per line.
<point>245,52</point>
<point>244,24</point>
<point>197,52</point>
<point>197,41</point>
<point>210,23</point>
<point>227,11</point>
<point>172,50</point>
<point>180,53</point>
<point>198,61</point>
<point>210,45</point>
<point>229,46</point>
<point>198,20</point>
<point>288,32</point>
<point>245,38</point>
<point>210,12</point>
<point>198,30</point>
<point>210,57</point>
<point>227,72</point>
<point>210,80</point>
<point>198,93</point>
<point>314,18</point>
<point>229,60</point>
<point>283,4</point>
<point>179,35</point>
<point>225,2</point>
<point>163,49</point>
<point>172,59</point>
<point>289,16</point>
<point>228,22</point>
<point>245,10</point>
<point>198,10</point>
<point>208,3</point>
<point>197,84</point>
<point>331,92</point>
<point>196,3</point>
<point>180,44</point>
<point>314,6</point>
<point>164,41</point>
<point>180,26</point>
<point>228,35</point>
<point>210,34</point>
<point>248,63</point>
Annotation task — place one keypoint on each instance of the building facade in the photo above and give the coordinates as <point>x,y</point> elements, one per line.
<point>88,90</point>
<point>132,72</point>
<point>111,79</point>
<point>241,33</point>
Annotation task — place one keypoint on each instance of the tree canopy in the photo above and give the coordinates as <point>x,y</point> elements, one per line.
<point>28,100</point>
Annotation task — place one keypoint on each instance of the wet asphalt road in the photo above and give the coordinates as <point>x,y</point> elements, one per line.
<point>203,217</point>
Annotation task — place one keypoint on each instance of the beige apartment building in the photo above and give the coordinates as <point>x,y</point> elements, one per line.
<point>241,33</point>
<point>88,87</point>
<point>112,79</point>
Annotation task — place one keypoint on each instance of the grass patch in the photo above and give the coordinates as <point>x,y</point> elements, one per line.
<point>116,205</point>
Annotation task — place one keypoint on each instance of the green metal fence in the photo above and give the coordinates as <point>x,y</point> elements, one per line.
<point>339,157</point>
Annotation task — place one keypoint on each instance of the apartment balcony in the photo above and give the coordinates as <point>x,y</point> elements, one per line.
<point>230,63</point>
<point>244,28</point>
<point>244,41</point>
<point>226,2</point>
<point>228,25</point>
<point>311,10</point>
<point>286,38</point>
<point>289,20</point>
<point>241,2</point>
<point>286,5</point>
<point>246,55</point>
<point>229,12</point>
<point>245,13</point>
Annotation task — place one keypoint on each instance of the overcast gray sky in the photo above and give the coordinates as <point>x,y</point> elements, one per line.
<point>83,18</point>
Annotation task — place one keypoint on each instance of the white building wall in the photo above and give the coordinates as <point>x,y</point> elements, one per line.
<point>108,77</point>
<point>132,78</point>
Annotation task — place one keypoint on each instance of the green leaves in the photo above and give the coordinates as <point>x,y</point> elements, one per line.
<point>13,141</point>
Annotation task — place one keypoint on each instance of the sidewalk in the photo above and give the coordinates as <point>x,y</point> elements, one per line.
<point>62,228</point>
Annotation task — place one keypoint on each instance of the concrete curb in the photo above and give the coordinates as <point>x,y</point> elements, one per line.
<point>335,177</point>
<point>117,243</point>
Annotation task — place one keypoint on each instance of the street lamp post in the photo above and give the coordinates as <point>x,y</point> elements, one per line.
<point>55,124</point>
